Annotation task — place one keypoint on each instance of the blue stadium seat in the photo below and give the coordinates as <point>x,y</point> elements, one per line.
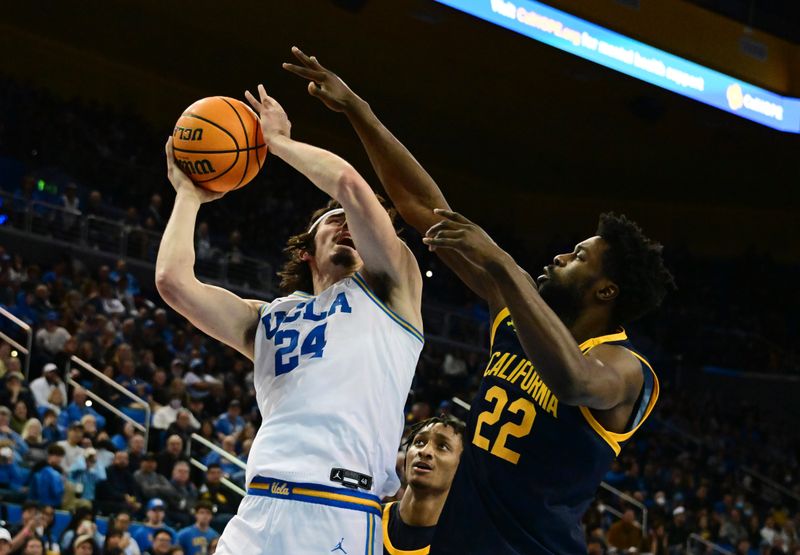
<point>13,513</point>
<point>60,522</point>
<point>102,524</point>
<point>138,415</point>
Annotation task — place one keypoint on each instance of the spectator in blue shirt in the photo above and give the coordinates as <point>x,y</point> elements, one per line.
<point>77,409</point>
<point>86,472</point>
<point>154,523</point>
<point>12,476</point>
<point>47,485</point>
<point>196,539</point>
<point>230,423</point>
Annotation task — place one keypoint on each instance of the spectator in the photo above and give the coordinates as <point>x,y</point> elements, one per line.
<point>19,416</point>
<point>119,491</point>
<point>196,539</point>
<point>81,524</point>
<point>31,524</point>
<point>5,541</point>
<point>187,491</point>
<point>183,425</point>
<point>43,386</point>
<point>154,211</point>
<point>732,530</point>
<point>151,483</point>
<point>47,484</point>
<point>14,389</point>
<point>172,453</point>
<point>50,430</point>
<point>231,422</point>
<point>137,449</point>
<point>120,441</point>
<point>77,409</point>
<point>220,497</point>
<point>71,207</point>
<point>49,538</point>
<point>154,523</point>
<point>72,445</point>
<point>51,337</point>
<point>32,545</point>
<point>37,445</point>
<point>679,529</point>
<point>85,545</point>
<point>161,543</point>
<point>198,382</point>
<point>122,523</point>
<point>9,436</point>
<point>121,272</point>
<point>12,476</point>
<point>625,533</point>
<point>89,423</point>
<point>166,415</point>
<point>86,473</point>
<point>228,468</point>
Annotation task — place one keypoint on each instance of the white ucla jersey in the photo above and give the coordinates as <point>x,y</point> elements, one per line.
<point>332,373</point>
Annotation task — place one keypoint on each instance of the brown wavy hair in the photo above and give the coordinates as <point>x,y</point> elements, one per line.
<point>295,273</point>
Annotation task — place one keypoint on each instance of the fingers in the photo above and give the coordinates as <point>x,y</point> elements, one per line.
<point>252,100</point>
<point>304,72</point>
<point>170,153</point>
<point>443,243</point>
<point>307,61</point>
<point>262,93</point>
<point>444,224</point>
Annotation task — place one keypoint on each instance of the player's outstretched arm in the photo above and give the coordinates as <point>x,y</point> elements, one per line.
<point>216,311</point>
<point>608,377</point>
<point>411,189</point>
<point>376,241</point>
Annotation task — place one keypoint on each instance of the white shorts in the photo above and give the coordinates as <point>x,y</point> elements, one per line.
<point>285,518</point>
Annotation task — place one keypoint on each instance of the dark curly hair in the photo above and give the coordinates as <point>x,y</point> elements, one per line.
<point>457,425</point>
<point>635,263</point>
<point>295,273</point>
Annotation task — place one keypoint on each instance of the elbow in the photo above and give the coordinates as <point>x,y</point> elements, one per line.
<point>167,286</point>
<point>350,184</point>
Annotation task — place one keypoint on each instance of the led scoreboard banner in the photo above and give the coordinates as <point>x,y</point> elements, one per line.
<point>613,50</point>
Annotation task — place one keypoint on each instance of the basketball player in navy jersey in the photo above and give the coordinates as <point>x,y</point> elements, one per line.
<point>433,450</point>
<point>563,390</point>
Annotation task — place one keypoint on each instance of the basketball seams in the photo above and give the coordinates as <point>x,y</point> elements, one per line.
<point>246,141</point>
<point>228,133</point>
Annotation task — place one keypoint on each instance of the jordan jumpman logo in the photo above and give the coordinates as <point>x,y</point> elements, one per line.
<point>339,547</point>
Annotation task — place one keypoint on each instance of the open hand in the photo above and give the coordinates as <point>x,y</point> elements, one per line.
<point>324,84</point>
<point>461,235</point>
<point>274,120</point>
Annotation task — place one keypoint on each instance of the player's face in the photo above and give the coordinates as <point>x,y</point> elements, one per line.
<point>569,283</point>
<point>334,244</point>
<point>432,458</point>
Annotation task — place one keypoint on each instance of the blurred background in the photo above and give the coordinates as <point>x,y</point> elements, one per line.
<point>528,141</point>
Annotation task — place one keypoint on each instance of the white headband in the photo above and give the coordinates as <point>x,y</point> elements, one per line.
<point>325,216</point>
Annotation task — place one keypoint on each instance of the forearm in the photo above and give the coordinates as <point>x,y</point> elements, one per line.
<point>411,189</point>
<point>547,342</point>
<point>175,262</point>
<point>323,168</point>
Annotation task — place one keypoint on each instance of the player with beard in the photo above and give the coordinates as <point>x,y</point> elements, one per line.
<point>333,359</point>
<point>433,450</point>
<point>563,390</point>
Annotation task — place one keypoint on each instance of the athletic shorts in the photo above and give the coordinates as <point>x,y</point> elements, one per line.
<point>277,517</point>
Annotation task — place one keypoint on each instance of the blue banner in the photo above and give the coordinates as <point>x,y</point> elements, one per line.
<point>603,46</point>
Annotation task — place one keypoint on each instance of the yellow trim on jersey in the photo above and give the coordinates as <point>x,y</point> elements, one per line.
<point>335,497</point>
<point>387,542</point>
<point>497,319</point>
<point>262,309</point>
<point>613,438</point>
<point>371,535</point>
<point>595,341</point>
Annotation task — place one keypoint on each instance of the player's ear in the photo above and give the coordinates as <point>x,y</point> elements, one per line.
<point>608,291</point>
<point>305,256</point>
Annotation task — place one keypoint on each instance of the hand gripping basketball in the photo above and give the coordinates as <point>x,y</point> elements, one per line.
<point>274,120</point>
<point>181,182</point>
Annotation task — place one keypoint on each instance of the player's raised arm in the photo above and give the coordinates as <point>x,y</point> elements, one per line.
<point>374,236</point>
<point>216,311</point>
<point>412,190</point>
<point>608,377</point>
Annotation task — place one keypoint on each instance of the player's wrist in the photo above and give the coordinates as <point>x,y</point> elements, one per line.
<point>356,107</point>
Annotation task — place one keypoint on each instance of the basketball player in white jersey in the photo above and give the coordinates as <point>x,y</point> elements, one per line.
<point>333,364</point>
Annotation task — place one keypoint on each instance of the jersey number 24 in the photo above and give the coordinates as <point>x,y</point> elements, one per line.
<point>287,358</point>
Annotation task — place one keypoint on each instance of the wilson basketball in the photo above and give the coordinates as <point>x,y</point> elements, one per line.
<point>218,143</point>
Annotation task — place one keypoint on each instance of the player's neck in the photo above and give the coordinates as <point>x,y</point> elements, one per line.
<point>324,280</point>
<point>591,324</point>
<point>421,508</point>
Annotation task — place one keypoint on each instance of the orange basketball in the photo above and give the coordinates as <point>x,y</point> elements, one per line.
<point>218,143</point>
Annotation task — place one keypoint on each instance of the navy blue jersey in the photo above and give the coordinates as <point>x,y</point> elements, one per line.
<point>531,465</point>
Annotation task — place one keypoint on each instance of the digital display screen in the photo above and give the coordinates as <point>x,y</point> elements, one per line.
<point>613,50</point>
